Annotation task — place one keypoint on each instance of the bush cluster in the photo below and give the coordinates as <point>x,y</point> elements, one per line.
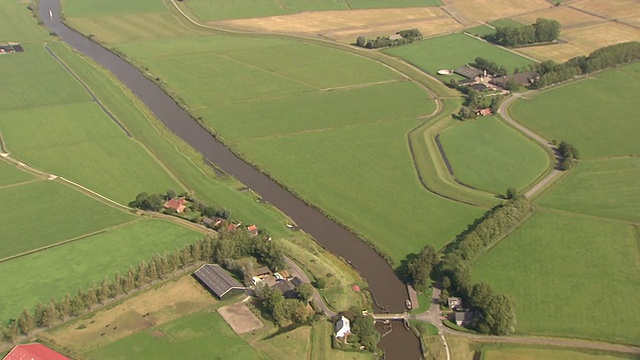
<point>407,36</point>
<point>543,30</point>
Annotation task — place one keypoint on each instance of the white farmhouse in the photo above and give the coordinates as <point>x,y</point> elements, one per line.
<point>343,327</point>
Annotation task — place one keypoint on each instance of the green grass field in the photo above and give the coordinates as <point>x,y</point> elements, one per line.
<point>506,23</point>
<point>9,174</point>
<point>532,353</point>
<point>42,213</point>
<point>607,188</point>
<point>570,276</point>
<point>370,184</point>
<point>18,25</point>
<point>487,154</point>
<point>480,30</point>
<point>112,7</point>
<point>321,345</point>
<point>594,115</point>
<point>460,50</point>
<point>202,335</point>
<point>62,269</point>
<point>220,10</point>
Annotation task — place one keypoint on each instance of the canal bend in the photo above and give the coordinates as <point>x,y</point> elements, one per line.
<point>389,290</point>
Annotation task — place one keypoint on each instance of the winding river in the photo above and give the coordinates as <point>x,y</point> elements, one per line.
<point>389,290</point>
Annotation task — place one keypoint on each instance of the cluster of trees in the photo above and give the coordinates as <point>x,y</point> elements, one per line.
<point>407,36</point>
<point>284,311</point>
<point>233,245</point>
<point>490,66</point>
<point>569,153</point>
<point>497,311</point>
<point>475,100</point>
<point>603,58</point>
<point>155,202</point>
<point>419,268</point>
<point>363,330</point>
<point>543,30</point>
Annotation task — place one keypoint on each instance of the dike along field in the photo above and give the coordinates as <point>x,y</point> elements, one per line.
<point>324,122</point>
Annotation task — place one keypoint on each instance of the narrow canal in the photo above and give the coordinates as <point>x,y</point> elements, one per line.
<point>389,290</point>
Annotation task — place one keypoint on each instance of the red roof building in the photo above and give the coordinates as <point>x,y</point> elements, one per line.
<point>176,203</point>
<point>34,352</point>
<point>484,112</point>
<point>253,230</point>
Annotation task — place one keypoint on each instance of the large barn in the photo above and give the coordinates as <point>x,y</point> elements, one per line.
<point>34,351</point>
<point>218,281</point>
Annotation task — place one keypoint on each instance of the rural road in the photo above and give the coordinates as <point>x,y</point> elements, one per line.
<point>504,112</point>
<point>317,298</point>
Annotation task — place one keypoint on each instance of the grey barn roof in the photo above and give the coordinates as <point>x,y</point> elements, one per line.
<point>216,279</point>
<point>468,71</point>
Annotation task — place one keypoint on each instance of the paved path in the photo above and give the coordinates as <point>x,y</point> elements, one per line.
<point>317,298</point>
<point>504,112</point>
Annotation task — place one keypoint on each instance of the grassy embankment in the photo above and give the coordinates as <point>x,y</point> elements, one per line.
<point>225,78</point>
<point>489,155</point>
<point>532,353</point>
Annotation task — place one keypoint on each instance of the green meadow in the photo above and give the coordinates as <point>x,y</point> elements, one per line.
<point>570,276</point>
<point>63,269</point>
<point>202,335</point>
<point>112,7</point>
<point>368,182</point>
<point>210,10</point>
<point>534,353</point>
<point>453,51</point>
<point>595,114</point>
<point>487,154</point>
<point>9,174</point>
<point>42,213</point>
<point>606,188</point>
<point>18,25</point>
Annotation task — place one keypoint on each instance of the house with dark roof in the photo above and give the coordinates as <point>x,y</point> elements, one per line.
<point>342,327</point>
<point>213,222</point>
<point>464,318</point>
<point>176,204</point>
<point>33,351</point>
<point>468,71</point>
<point>522,79</point>
<point>218,281</point>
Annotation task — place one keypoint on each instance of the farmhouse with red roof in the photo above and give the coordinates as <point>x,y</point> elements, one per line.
<point>253,230</point>
<point>176,203</point>
<point>34,352</point>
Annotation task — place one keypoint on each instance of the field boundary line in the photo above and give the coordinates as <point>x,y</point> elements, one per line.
<point>359,86</point>
<point>95,194</point>
<point>550,210</point>
<point>8,186</point>
<point>80,237</point>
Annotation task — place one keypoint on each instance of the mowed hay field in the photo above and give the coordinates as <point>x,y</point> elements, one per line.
<point>489,155</point>
<point>606,188</point>
<point>204,334</point>
<point>368,184</point>
<point>453,51</point>
<point>63,269</point>
<point>472,11</point>
<point>570,276</point>
<point>533,353</point>
<point>82,143</point>
<point>42,213</point>
<point>346,26</point>
<point>595,114</point>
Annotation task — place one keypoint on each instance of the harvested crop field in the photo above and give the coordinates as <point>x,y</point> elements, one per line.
<point>611,9</point>
<point>348,25</point>
<point>468,12</point>
<point>240,318</point>
<point>157,306</point>
<point>584,40</point>
<point>566,16</point>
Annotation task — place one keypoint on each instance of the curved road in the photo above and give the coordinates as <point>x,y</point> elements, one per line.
<point>504,112</point>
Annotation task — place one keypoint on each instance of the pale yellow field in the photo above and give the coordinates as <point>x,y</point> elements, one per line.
<point>472,11</point>
<point>352,23</point>
<point>154,307</point>
<point>584,40</point>
<point>613,9</point>
<point>566,16</point>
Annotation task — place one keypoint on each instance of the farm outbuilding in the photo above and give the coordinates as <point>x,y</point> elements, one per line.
<point>33,352</point>
<point>218,281</point>
<point>468,71</point>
